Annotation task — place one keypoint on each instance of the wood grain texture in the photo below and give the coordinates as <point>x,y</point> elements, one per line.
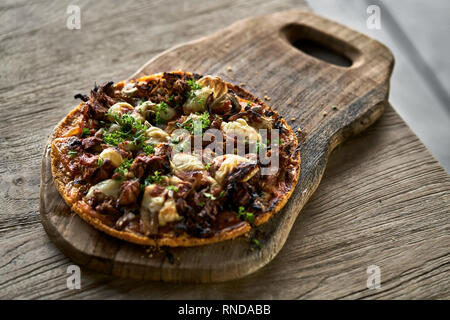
<point>401,223</point>
<point>256,51</point>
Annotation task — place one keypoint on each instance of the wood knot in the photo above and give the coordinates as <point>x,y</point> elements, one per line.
<point>19,181</point>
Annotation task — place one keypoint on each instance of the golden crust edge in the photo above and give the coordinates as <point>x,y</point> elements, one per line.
<point>58,177</point>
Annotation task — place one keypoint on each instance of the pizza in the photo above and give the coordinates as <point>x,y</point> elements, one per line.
<point>174,159</point>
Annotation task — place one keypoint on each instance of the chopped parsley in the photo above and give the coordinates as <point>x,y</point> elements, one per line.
<point>122,170</point>
<point>99,161</point>
<point>85,132</point>
<point>207,166</point>
<point>183,147</point>
<point>210,196</point>
<point>244,215</point>
<point>160,107</point>
<point>172,188</point>
<point>257,243</point>
<point>222,194</point>
<point>129,129</point>
<point>73,153</point>
<point>192,123</point>
<point>155,178</point>
<point>193,85</point>
<point>260,146</point>
<point>148,148</point>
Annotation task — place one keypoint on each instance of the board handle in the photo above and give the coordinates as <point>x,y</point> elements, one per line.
<point>331,42</point>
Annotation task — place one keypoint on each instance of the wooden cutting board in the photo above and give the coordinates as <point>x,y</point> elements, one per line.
<point>329,104</point>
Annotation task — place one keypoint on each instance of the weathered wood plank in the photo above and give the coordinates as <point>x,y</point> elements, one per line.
<point>406,234</point>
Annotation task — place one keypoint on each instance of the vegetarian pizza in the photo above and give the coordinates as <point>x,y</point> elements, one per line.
<point>175,159</point>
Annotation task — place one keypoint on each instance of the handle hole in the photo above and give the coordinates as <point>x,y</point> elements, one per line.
<point>320,45</point>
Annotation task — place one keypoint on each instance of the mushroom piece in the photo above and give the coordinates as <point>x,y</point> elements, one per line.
<point>226,105</point>
<point>148,109</point>
<point>119,109</point>
<point>214,96</point>
<point>129,90</point>
<point>113,155</point>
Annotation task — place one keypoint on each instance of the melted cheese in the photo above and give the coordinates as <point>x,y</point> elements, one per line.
<point>119,106</point>
<point>137,116</point>
<point>197,102</point>
<point>109,187</point>
<point>241,129</point>
<point>228,165</point>
<point>156,135</point>
<point>113,155</point>
<point>186,162</point>
<point>168,213</point>
<point>161,204</point>
<point>151,203</point>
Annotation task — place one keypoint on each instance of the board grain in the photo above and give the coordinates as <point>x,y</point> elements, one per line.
<point>329,104</point>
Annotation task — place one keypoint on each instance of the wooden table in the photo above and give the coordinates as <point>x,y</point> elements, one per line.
<point>383,201</point>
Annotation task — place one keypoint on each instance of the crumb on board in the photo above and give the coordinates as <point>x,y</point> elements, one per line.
<point>267,98</point>
<point>229,68</point>
<point>297,104</point>
<point>334,107</point>
<point>242,84</point>
<point>292,119</point>
<point>152,251</point>
<point>227,45</point>
<point>324,113</point>
<point>299,130</point>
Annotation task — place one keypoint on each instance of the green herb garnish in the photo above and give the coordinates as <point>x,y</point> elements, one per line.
<point>257,243</point>
<point>130,129</point>
<point>85,132</point>
<point>148,149</point>
<point>244,215</point>
<point>173,188</point>
<point>73,153</point>
<point>99,161</point>
<point>189,123</point>
<point>209,195</point>
<point>193,85</point>
<point>207,166</point>
<point>160,107</point>
<point>122,170</point>
<point>155,178</point>
<point>260,146</point>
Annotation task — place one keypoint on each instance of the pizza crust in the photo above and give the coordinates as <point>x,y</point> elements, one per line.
<point>73,195</point>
